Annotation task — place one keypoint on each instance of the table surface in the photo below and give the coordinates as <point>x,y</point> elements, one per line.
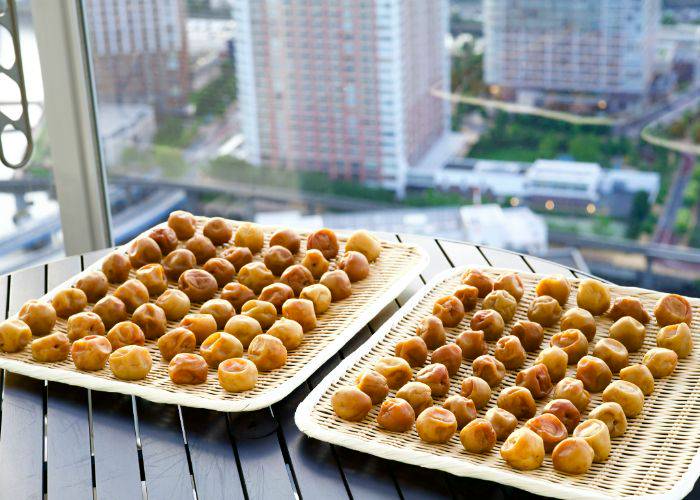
<point>68,442</point>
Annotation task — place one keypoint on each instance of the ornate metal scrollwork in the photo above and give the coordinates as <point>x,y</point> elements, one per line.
<point>8,20</point>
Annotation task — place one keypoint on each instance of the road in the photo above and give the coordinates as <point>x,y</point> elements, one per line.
<point>17,251</point>
<point>674,201</point>
<point>212,136</point>
<point>633,127</point>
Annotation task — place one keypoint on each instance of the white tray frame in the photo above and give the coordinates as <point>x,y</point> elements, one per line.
<point>249,404</point>
<point>303,420</point>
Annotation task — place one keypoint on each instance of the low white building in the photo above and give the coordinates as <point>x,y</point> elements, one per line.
<point>631,181</point>
<point>564,180</point>
<point>511,228</point>
<point>498,178</point>
<point>557,185</point>
<point>678,45</point>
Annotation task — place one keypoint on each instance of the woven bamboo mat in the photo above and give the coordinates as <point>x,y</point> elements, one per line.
<point>656,456</point>
<point>397,265</point>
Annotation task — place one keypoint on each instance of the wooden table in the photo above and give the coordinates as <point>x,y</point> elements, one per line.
<point>73,443</point>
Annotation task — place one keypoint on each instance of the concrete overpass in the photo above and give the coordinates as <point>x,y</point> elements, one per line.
<point>39,239</point>
<point>673,257</point>
<point>207,185</point>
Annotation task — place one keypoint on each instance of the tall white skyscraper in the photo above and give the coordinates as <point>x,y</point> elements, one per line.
<point>558,50</point>
<point>343,86</point>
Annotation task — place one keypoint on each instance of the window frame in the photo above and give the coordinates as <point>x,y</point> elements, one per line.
<point>70,110</point>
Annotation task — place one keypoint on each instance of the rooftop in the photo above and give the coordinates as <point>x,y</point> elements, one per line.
<point>564,170</point>
<point>512,228</point>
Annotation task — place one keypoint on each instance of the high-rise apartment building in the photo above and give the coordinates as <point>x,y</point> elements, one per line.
<point>139,52</point>
<point>596,52</point>
<point>343,86</point>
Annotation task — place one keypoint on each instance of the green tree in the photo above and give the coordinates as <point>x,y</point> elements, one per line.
<point>215,97</point>
<point>695,132</point>
<point>585,147</point>
<point>682,223</point>
<point>170,161</point>
<point>695,237</point>
<point>549,146</point>
<point>175,132</point>
<point>134,161</point>
<point>677,129</point>
<point>602,226</point>
<point>132,155</point>
<point>668,19</point>
<point>638,214</point>
<point>499,124</point>
<point>691,193</point>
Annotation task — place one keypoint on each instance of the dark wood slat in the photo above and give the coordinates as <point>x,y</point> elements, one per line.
<point>469,255</point>
<point>90,258</point>
<point>367,476</point>
<point>264,470</point>
<point>412,482</point>
<point>69,467</point>
<point>22,431</point>
<point>21,440</point>
<point>504,259</point>
<point>436,265</point>
<point>117,473</point>
<point>4,285</point>
<point>166,469</point>
<point>462,254</point>
<point>315,466</point>
<point>211,452</point>
<point>315,463</point>
<point>501,258</point>
<point>355,342</point>
<point>545,266</point>
<point>61,270</point>
<point>416,482</point>
<point>213,460</point>
<point>25,285</point>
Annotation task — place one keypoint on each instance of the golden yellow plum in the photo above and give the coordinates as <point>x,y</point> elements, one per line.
<point>351,404</point>
<point>90,353</point>
<point>237,375</point>
<point>188,368</point>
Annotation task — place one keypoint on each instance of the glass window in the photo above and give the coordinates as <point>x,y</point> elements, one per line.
<point>30,224</point>
<point>545,107</point>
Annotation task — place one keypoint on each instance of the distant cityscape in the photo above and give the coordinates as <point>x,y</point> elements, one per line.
<point>579,117</point>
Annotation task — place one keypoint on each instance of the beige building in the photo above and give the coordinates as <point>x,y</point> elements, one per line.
<point>342,86</point>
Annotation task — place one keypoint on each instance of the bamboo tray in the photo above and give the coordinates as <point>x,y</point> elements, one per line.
<point>657,457</point>
<point>390,274</point>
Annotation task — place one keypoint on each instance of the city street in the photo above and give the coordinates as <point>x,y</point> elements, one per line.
<point>678,103</point>
<point>664,228</point>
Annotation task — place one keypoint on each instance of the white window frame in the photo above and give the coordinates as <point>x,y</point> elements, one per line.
<point>69,107</point>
